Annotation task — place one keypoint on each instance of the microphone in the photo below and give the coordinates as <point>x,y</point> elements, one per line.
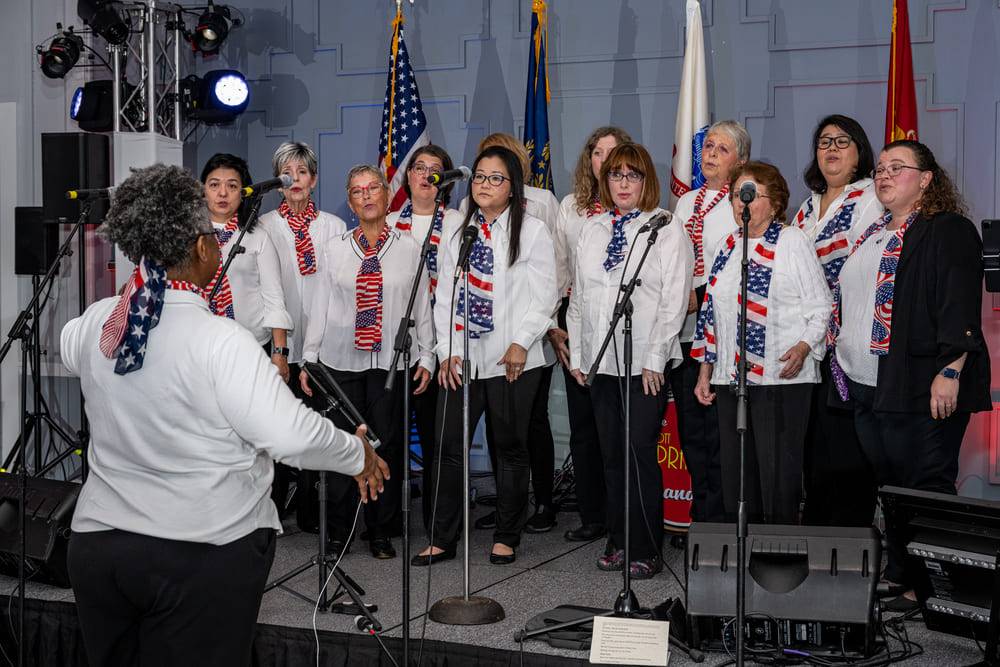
<point>748,192</point>
<point>84,194</point>
<point>469,235</point>
<point>447,177</point>
<point>283,181</point>
<point>657,222</point>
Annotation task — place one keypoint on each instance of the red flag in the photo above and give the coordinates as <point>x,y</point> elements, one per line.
<point>901,101</point>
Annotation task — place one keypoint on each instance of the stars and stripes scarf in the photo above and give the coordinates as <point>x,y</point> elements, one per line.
<point>299,223</point>
<point>695,225</point>
<point>831,241</point>
<point>480,284</point>
<point>222,304</point>
<point>618,242</point>
<point>405,224</point>
<point>760,271</point>
<point>368,293</point>
<point>126,331</point>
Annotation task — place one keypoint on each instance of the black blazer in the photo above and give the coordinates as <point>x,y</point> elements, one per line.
<point>936,317</point>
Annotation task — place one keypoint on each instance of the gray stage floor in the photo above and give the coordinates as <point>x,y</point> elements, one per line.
<point>549,571</point>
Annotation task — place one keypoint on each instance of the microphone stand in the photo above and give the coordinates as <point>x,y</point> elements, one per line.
<point>237,248</point>
<point>401,347</point>
<point>23,329</point>
<point>742,400</point>
<point>466,609</point>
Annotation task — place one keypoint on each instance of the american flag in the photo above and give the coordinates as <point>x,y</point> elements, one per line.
<point>125,332</point>
<point>404,126</point>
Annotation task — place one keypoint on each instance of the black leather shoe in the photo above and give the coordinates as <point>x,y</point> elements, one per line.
<point>424,561</point>
<point>500,559</point>
<point>586,532</point>
<point>487,521</point>
<point>381,548</point>
<point>543,520</point>
<point>336,547</point>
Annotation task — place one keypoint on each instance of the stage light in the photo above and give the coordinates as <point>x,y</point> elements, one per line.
<point>216,98</point>
<point>212,29</point>
<point>74,105</point>
<point>61,55</point>
<point>105,19</point>
<point>92,106</point>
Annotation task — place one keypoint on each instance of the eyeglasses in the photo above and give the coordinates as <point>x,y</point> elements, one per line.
<point>892,170</point>
<point>372,190</point>
<point>631,177</point>
<point>495,180</point>
<point>840,141</point>
<point>422,169</point>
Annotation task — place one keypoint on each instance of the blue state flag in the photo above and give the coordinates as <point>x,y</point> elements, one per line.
<point>536,106</point>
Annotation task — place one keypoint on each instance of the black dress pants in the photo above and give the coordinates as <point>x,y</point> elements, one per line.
<point>911,450</point>
<point>508,407</point>
<point>839,481</point>
<point>698,427</point>
<point>148,601</point>
<point>645,478</point>
<point>775,442</point>
<point>384,413</point>
<point>424,416</point>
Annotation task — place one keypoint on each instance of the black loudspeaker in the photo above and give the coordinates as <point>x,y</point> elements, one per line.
<point>35,242</point>
<point>807,587</point>
<point>71,161</point>
<point>50,504</point>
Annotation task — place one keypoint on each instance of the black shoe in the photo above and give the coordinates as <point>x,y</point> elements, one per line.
<point>501,559</point>
<point>586,532</point>
<point>487,521</point>
<point>543,520</point>
<point>899,604</point>
<point>381,548</point>
<point>334,548</point>
<point>425,560</point>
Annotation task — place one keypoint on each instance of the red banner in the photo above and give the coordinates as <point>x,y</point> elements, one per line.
<point>676,480</point>
<point>901,100</point>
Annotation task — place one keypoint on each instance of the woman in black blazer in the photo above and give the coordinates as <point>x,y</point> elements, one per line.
<point>907,323</point>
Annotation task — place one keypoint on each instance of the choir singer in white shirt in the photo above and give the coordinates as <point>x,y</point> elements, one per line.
<point>788,306</point>
<point>174,531</point>
<point>607,257</point>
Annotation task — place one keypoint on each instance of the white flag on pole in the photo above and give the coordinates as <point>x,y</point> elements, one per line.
<point>692,110</point>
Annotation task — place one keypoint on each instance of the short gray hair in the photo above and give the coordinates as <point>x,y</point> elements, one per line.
<point>158,212</point>
<point>737,133</point>
<point>359,169</point>
<point>294,150</point>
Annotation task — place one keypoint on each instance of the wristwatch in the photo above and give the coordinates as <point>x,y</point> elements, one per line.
<point>283,351</point>
<point>950,373</point>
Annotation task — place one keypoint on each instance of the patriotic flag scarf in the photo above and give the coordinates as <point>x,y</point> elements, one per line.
<point>299,223</point>
<point>222,304</point>
<point>618,242</point>
<point>405,224</point>
<point>368,293</point>
<point>761,270</point>
<point>480,284</point>
<point>885,285</point>
<point>831,242</point>
<point>696,224</point>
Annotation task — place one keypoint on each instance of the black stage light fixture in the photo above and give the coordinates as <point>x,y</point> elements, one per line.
<point>92,106</point>
<point>212,29</point>
<point>216,98</point>
<point>104,18</point>
<point>62,54</point>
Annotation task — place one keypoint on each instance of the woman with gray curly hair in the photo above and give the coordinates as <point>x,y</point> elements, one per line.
<point>183,406</point>
<point>353,319</point>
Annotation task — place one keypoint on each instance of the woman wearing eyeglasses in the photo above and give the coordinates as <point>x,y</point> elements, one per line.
<point>366,277</point>
<point>607,256</point>
<point>839,485</point>
<point>788,305</point>
<point>512,295</point>
<point>415,218</point>
<point>910,350</point>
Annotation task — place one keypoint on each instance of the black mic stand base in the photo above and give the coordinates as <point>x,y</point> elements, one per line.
<point>459,610</point>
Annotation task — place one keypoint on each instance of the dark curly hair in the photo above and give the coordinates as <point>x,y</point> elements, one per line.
<point>814,178</point>
<point>158,212</point>
<point>941,196</point>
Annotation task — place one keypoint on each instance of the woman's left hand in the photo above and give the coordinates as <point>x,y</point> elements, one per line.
<point>795,358</point>
<point>944,397</point>
<point>423,378</point>
<point>514,361</point>
<point>652,382</point>
<point>281,361</point>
